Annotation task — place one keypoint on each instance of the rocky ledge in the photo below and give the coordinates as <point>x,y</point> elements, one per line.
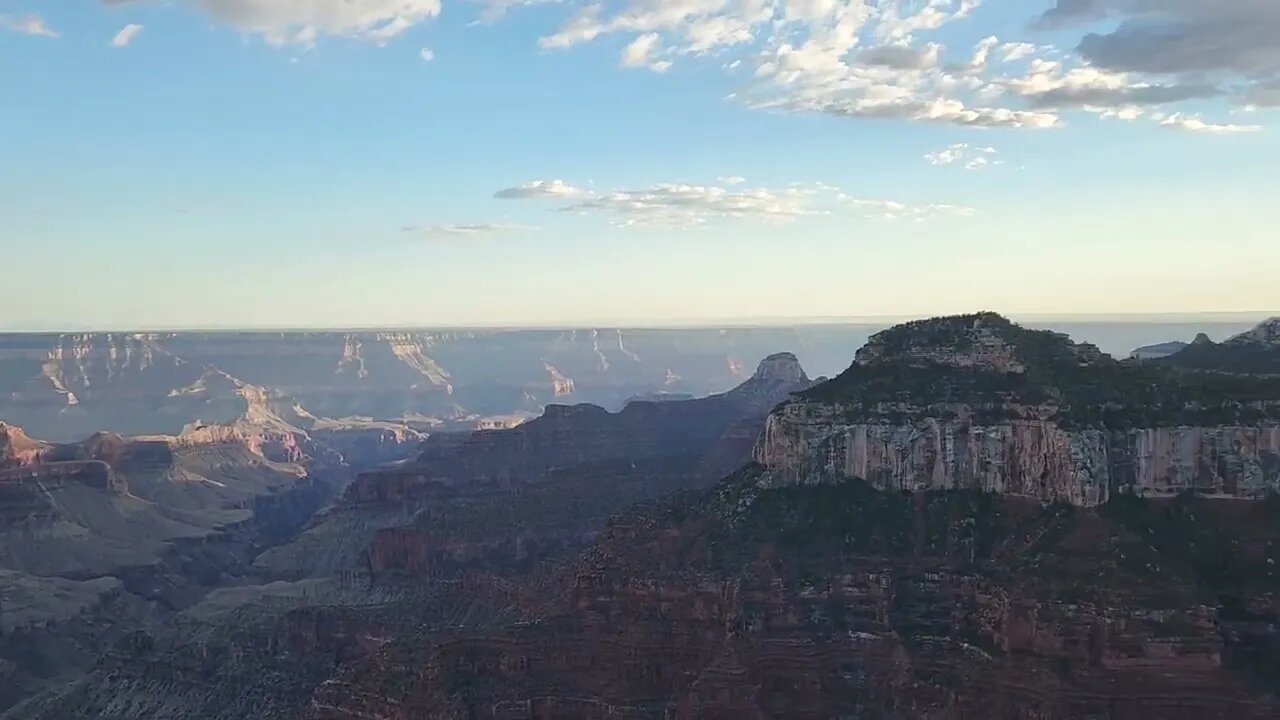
<point>978,403</point>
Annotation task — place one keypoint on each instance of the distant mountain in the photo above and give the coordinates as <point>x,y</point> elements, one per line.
<point>62,387</point>
<point>1163,350</point>
<point>65,387</point>
<point>1255,351</point>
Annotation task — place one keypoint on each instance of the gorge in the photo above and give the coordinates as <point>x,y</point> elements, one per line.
<point>974,520</point>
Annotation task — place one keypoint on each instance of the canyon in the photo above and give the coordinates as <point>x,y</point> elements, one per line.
<point>106,537</point>
<point>973,520</point>
<point>493,501</point>
<point>970,522</point>
<point>63,387</point>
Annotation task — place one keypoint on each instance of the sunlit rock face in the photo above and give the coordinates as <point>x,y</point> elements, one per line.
<point>16,449</point>
<point>977,403</point>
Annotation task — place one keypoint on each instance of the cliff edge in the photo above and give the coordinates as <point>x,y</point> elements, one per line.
<point>977,402</point>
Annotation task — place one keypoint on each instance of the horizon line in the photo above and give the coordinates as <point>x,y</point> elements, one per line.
<point>762,322</point>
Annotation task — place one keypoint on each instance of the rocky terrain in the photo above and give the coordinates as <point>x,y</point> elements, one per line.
<point>984,566</point>
<point>423,543</point>
<point>503,499</point>
<point>978,403</point>
<point>975,520</point>
<point>66,387</point>
<point>113,536</point>
<point>839,600</point>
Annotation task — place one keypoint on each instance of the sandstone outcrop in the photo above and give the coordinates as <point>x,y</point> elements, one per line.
<point>16,449</point>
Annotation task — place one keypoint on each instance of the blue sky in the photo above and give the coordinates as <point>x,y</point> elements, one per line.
<point>344,162</point>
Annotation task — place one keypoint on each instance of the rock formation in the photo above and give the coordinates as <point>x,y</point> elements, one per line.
<point>1255,351</point>
<point>838,600</point>
<point>16,449</point>
<point>424,544</point>
<point>1060,553</point>
<point>977,403</point>
<point>974,521</point>
<point>66,387</point>
<point>507,498</point>
<point>113,535</point>
<point>1162,350</point>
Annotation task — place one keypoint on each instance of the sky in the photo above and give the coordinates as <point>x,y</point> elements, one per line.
<point>339,163</point>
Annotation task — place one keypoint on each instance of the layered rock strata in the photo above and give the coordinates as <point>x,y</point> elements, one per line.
<point>1026,414</point>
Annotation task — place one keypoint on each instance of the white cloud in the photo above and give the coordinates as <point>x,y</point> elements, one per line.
<point>640,52</point>
<point>540,189</point>
<point>923,109</point>
<point>894,210</point>
<point>683,204</point>
<point>31,24</point>
<point>1049,85</point>
<point>733,180</point>
<point>427,54</point>
<point>1128,113</point>
<point>302,22</point>
<point>1192,123</point>
<point>126,35</point>
<point>691,205</point>
<point>462,230</point>
<point>851,58</point>
<point>1012,52</point>
<point>876,58</point>
<point>698,25</point>
<point>972,157</point>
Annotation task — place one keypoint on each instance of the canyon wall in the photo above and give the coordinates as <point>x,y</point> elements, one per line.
<point>503,500</point>
<point>65,387</point>
<point>978,403</point>
<point>1038,459</point>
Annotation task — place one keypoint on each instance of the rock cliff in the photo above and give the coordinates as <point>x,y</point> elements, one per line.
<point>65,387</point>
<point>16,449</point>
<point>838,600</point>
<point>504,499</point>
<point>1081,538</point>
<point>112,535</point>
<point>978,403</point>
